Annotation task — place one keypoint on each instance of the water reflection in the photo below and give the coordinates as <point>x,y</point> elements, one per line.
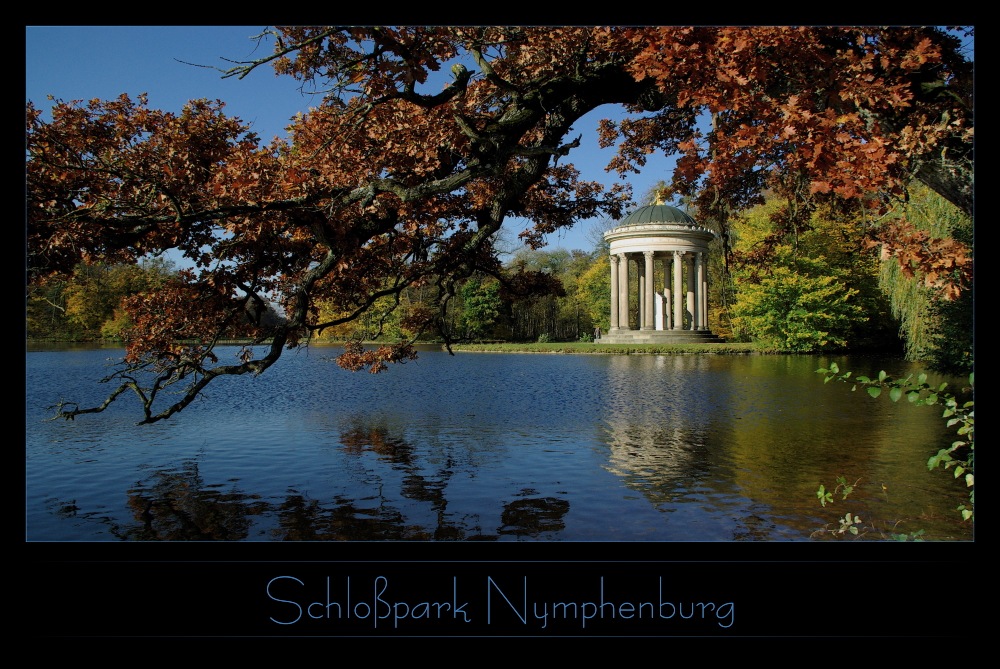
<point>177,504</point>
<point>344,520</point>
<point>531,517</point>
<point>659,410</point>
<point>488,448</point>
<point>752,438</point>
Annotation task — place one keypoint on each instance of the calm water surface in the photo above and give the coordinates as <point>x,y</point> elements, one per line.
<point>496,447</point>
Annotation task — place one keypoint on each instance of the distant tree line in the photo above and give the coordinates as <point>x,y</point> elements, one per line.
<point>823,290</point>
<point>89,305</point>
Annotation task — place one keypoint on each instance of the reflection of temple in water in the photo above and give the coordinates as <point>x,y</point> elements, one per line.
<point>651,452</point>
<point>668,433</point>
<point>656,421</point>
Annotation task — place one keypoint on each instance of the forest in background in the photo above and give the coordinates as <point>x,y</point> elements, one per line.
<point>823,291</point>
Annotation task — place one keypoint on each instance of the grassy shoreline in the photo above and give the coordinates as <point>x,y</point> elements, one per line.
<point>610,349</point>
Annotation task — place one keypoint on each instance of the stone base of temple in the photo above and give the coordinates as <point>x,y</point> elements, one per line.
<point>660,337</point>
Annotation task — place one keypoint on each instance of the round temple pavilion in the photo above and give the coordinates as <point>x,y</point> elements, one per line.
<point>668,252</point>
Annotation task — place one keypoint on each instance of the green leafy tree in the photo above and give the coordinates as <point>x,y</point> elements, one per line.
<point>92,295</point>
<point>89,305</point>
<point>818,289</point>
<point>46,311</point>
<point>936,327</point>
<point>482,307</point>
<point>595,291</point>
<point>381,320</point>
<point>802,305</point>
<point>575,318</point>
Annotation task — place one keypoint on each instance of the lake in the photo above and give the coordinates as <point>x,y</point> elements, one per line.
<point>488,447</point>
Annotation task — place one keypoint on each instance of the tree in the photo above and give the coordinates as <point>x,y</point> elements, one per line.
<point>802,305</point>
<point>936,328</point>
<point>391,183</point>
<point>45,315</point>
<point>595,292</point>
<point>482,307</point>
<point>88,304</point>
<point>819,290</point>
<point>807,112</point>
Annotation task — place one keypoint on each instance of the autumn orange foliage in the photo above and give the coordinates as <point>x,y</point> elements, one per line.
<point>395,180</point>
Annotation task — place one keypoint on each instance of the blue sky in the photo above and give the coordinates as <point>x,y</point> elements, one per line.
<point>85,62</point>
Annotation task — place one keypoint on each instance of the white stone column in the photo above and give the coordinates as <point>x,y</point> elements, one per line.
<point>697,320</point>
<point>640,300</point>
<point>690,291</point>
<point>647,312</point>
<point>667,301</point>
<point>703,290</point>
<point>623,292</point>
<point>678,303</point>
<point>614,293</point>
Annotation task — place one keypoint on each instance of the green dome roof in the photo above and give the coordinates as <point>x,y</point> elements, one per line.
<point>657,213</point>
